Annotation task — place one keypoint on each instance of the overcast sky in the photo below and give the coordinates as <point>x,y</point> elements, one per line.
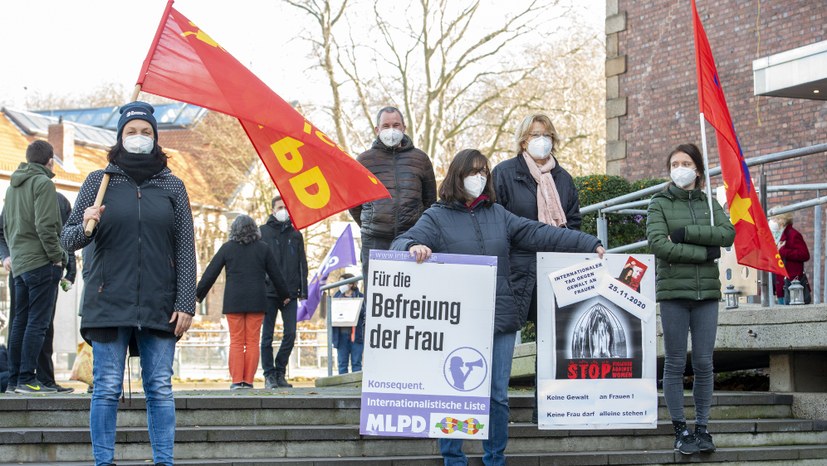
<point>72,47</point>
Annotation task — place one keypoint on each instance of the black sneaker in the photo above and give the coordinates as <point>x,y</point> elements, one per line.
<point>270,382</point>
<point>686,443</point>
<point>90,389</point>
<point>247,385</point>
<point>705,443</point>
<point>60,388</point>
<point>34,387</point>
<point>237,386</point>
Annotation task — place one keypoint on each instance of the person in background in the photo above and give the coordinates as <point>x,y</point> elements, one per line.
<point>32,227</point>
<point>140,294</point>
<point>533,185</point>
<point>45,366</point>
<point>246,259</point>
<point>686,243</point>
<point>466,220</point>
<point>287,245</point>
<point>348,349</point>
<point>794,252</point>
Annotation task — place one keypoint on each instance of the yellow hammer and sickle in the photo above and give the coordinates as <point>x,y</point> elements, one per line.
<point>202,36</point>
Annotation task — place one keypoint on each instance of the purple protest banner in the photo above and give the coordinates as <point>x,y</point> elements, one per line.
<point>342,254</point>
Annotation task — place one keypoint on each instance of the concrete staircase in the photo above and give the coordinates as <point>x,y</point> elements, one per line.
<point>319,426</point>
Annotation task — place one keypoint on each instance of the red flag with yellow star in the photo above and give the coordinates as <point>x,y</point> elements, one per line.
<point>315,176</point>
<point>754,244</point>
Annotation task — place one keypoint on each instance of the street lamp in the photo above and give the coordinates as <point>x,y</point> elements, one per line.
<point>731,295</point>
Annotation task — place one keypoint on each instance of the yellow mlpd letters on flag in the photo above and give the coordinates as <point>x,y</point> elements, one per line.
<point>290,159</point>
<point>303,181</point>
<point>184,63</point>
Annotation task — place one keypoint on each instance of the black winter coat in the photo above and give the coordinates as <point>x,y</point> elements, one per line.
<point>287,245</point>
<point>491,230</point>
<point>143,267</point>
<point>517,192</point>
<point>408,175</point>
<point>244,290</point>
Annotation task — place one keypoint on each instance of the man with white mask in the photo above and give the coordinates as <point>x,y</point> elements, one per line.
<point>408,175</point>
<point>287,245</point>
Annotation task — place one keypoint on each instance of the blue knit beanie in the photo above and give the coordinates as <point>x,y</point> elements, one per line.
<point>137,111</point>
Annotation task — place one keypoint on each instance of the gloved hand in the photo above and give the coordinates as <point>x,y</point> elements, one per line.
<point>713,252</point>
<point>678,235</point>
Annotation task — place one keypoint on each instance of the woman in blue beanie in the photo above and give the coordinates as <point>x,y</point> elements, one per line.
<point>141,289</point>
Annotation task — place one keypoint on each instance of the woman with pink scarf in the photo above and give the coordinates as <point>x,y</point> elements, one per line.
<point>534,185</point>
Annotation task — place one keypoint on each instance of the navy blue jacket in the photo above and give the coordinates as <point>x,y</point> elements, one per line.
<point>246,264</point>
<point>287,245</point>
<point>143,267</point>
<point>491,230</point>
<point>517,192</point>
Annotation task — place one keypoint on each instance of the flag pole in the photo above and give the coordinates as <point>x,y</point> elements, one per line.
<point>90,225</point>
<point>706,170</point>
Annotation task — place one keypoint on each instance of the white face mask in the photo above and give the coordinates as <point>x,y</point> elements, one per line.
<point>683,176</point>
<point>344,288</point>
<point>390,137</point>
<point>474,185</point>
<point>776,230</point>
<point>138,144</point>
<point>282,215</point>
<point>540,148</point>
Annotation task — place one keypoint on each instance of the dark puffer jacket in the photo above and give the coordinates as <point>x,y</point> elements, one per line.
<point>490,230</point>
<point>287,245</point>
<point>408,175</point>
<point>684,270</point>
<point>517,192</point>
<point>143,268</point>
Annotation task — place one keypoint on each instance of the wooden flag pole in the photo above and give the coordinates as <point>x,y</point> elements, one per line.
<point>91,224</point>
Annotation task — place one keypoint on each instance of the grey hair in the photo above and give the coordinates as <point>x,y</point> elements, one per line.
<point>244,230</point>
<point>389,110</point>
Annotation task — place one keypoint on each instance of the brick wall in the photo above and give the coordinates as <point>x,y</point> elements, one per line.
<point>653,95</point>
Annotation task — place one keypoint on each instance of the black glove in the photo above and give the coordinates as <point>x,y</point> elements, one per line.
<point>713,252</point>
<point>678,235</point>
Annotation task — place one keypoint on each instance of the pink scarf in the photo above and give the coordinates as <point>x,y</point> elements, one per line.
<point>549,209</point>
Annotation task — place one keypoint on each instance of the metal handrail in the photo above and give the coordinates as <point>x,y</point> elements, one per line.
<point>625,204</point>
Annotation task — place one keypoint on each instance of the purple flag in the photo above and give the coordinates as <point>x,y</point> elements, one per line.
<point>341,255</point>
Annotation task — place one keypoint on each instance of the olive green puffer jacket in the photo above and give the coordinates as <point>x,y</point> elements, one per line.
<point>683,270</point>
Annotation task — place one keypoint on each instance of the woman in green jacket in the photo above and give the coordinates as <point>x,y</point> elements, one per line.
<point>686,245</point>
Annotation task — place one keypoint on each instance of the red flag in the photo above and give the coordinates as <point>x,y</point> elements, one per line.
<point>754,243</point>
<point>314,175</point>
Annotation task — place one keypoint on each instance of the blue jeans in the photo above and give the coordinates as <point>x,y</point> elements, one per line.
<point>288,317</point>
<point>346,349</point>
<point>678,318</point>
<point>34,297</point>
<point>156,371</point>
<point>501,356</point>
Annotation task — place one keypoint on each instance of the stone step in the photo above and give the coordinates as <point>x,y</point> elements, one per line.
<point>311,406</point>
<point>302,441</point>
<point>753,456</point>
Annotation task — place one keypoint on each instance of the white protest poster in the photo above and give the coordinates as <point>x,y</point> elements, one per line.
<point>596,341</point>
<point>428,336</point>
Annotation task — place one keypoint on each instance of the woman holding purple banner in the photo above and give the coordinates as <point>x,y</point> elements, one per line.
<point>466,220</point>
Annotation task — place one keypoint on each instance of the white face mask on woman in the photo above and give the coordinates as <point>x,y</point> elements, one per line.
<point>540,147</point>
<point>344,288</point>
<point>683,176</point>
<point>474,185</point>
<point>138,144</point>
<point>391,137</point>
